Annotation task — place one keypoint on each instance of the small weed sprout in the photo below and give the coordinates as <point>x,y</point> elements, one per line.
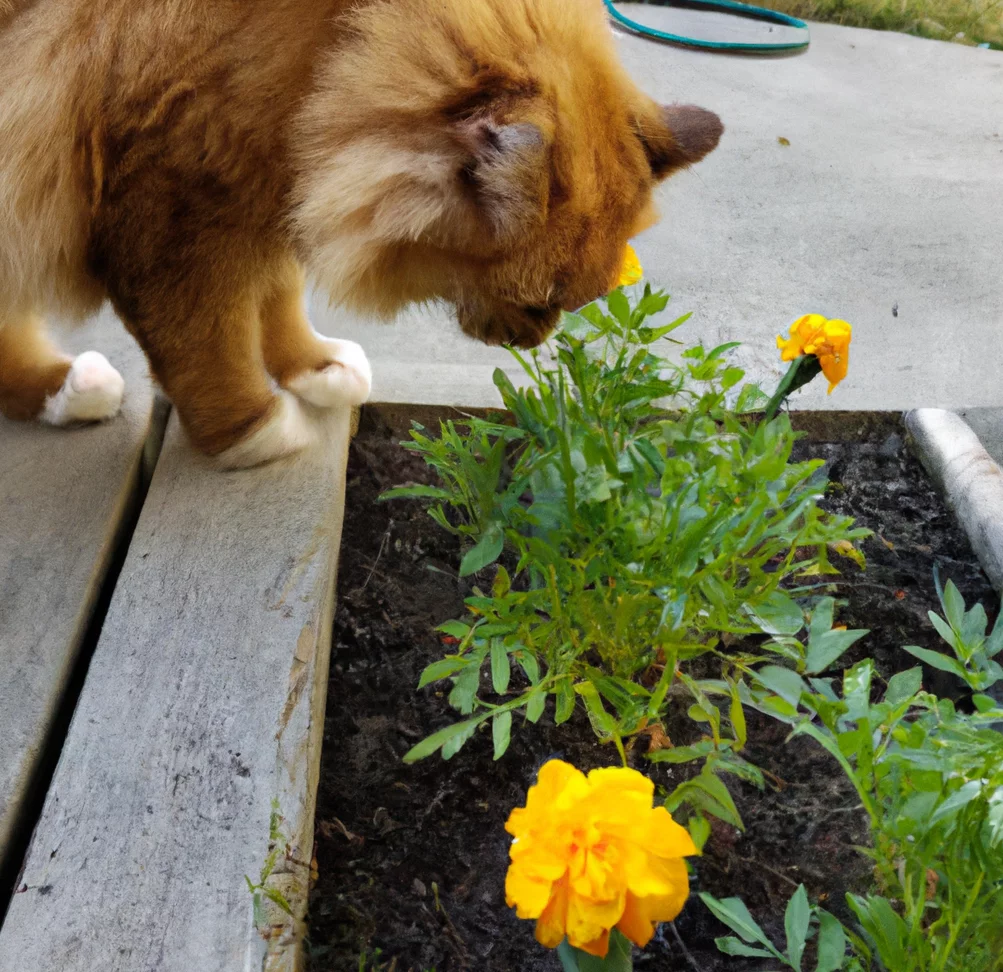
<point>278,848</point>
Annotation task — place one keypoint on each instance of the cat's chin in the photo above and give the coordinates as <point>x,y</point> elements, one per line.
<point>522,327</point>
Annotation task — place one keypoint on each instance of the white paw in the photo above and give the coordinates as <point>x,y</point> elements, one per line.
<point>346,382</point>
<point>92,392</point>
<point>286,430</point>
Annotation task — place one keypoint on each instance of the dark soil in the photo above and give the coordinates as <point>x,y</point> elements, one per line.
<point>412,859</point>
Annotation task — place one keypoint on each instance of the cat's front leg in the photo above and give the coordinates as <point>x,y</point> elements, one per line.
<point>204,350</point>
<point>38,381</point>
<point>326,372</point>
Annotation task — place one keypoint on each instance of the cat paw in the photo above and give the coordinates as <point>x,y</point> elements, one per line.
<point>285,430</point>
<point>92,392</point>
<point>347,381</point>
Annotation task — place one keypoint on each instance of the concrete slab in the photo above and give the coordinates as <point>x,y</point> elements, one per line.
<point>884,209</point>
<point>64,496</point>
<point>199,727</point>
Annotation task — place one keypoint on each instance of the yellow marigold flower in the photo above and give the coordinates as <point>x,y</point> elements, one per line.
<point>630,269</point>
<point>828,340</point>
<point>591,854</point>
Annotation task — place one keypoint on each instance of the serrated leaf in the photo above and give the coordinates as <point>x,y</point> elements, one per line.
<point>431,744</point>
<point>734,946</point>
<point>415,492</point>
<point>441,669</point>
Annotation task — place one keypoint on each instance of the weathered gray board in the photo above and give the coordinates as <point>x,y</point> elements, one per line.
<point>63,496</point>
<point>203,704</point>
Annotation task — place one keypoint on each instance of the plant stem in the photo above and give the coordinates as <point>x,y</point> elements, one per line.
<point>802,370</point>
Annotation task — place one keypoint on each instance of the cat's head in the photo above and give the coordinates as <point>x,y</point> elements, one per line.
<point>492,153</point>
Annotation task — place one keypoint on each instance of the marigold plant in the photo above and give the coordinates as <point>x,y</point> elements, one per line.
<point>591,854</point>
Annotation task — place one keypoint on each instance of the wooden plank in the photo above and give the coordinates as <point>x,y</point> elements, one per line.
<point>64,495</point>
<point>203,705</point>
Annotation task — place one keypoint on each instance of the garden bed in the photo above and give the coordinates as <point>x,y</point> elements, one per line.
<point>412,859</point>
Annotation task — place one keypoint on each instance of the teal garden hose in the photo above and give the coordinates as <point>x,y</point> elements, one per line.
<point>723,6</point>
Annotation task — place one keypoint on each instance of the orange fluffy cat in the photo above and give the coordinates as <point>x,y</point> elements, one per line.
<point>190,160</point>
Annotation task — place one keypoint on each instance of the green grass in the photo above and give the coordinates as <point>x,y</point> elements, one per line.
<point>963,21</point>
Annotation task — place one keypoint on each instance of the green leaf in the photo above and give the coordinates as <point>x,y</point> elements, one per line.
<point>904,685</point>
<point>958,799</point>
<point>465,686</point>
<point>751,399</point>
<point>501,732</point>
<point>733,913</point>
<point>954,606</point>
<point>831,943</point>
<point>796,920</point>
<point>434,742</point>
<point>565,701</point>
<point>777,614</point>
<point>441,669</point>
<point>936,659</point>
<point>734,946</point>
<point>721,805</point>
<point>487,550</point>
<point>537,703</point>
<point>827,646</point>
<point>456,629</point>
<point>416,491</point>
<point>619,306</point>
<point>455,743</point>
<point>699,827</point>
<point>781,681</point>
<point>618,958</point>
<point>501,670</point>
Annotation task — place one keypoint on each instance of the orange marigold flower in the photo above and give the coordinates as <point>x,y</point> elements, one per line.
<point>591,854</point>
<point>829,341</point>
<point>630,269</point>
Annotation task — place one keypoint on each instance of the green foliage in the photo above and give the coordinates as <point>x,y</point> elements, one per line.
<point>802,922</point>
<point>641,539</point>
<point>930,778</point>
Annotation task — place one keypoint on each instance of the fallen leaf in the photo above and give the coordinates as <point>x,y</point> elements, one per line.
<point>900,595</point>
<point>782,140</point>
<point>657,738</point>
<point>887,543</point>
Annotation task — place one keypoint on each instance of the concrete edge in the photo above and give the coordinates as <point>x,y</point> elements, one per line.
<point>968,477</point>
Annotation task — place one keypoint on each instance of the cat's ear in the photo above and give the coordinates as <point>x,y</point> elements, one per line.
<point>505,166</point>
<point>677,136</point>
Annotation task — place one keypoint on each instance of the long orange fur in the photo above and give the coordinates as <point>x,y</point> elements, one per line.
<point>190,159</point>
